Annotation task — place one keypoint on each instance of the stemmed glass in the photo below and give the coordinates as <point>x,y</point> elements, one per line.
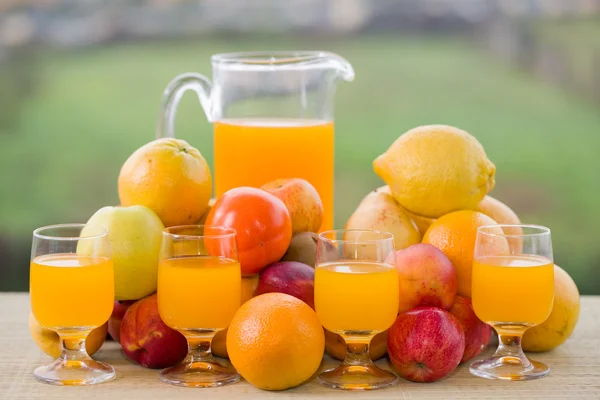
<point>199,291</point>
<point>356,296</point>
<point>513,290</point>
<point>72,292</point>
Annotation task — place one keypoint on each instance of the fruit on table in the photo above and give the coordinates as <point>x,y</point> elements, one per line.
<point>498,211</point>
<point>219,346</point>
<point>302,248</point>
<point>425,344</point>
<point>455,235</point>
<point>262,223</point>
<point>290,277</point>
<point>275,341</point>
<point>202,220</point>
<point>379,211</point>
<point>335,345</point>
<point>114,322</point>
<point>422,223</point>
<point>49,341</point>
<point>562,320</point>
<point>170,177</point>
<point>302,201</point>
<point>135,235</point>
<point>477,333</point>
<point>436,169</point>
<point>426,278</point>
<point>147,340</point>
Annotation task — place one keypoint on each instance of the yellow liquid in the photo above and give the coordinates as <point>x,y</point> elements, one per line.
<point>516,289</point>
<point>356,296</point>
<point>198,292</point>
<point>252,152</point>
<point>68,290</point>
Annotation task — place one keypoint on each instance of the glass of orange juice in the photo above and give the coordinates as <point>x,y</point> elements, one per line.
<point>199,291</point>
<point>273,115</point>
<point>356,296</point>
<point>71,286</point>
<point>513,290</point>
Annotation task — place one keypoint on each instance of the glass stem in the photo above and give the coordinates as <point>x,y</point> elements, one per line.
<point>509,346</point>
<point>357,351</point>
<point>199,348</point>
<point>73,346</point>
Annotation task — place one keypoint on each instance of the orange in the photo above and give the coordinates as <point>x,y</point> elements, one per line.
<point>170,177</point>
<point>562,320</point>
<point>455,235</point>
<point>275,341</point>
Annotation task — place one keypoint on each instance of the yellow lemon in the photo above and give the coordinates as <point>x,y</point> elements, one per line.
<point>49,341</point>
<point>562,320</point>
<point>436,169</point>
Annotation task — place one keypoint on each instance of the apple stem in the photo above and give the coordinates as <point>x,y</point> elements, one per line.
<point>73,346</point>
<point>199,348</point>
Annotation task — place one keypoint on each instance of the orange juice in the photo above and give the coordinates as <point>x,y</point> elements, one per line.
<point>252,152</point>
<point>356,296</point>
<point>517,289</point>
<point>198,291</point>
<point>68,290</point>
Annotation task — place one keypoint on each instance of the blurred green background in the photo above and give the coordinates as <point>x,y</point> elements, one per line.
<point>526,84</point>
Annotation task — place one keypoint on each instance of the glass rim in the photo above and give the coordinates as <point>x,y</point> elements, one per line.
<point>266,58</point>
<point>37,232</point>
<point>543,230</point>
<point>226,232</point>
<point>385,235</point>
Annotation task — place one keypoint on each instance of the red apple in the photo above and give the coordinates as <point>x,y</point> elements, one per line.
<point>477,333</point>
<point>114,322</point>
<point>426,277</point>
<point>147,340</point>
<point>289,277</point>
<point>425,344</point>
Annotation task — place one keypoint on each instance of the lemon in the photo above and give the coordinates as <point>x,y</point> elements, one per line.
<point>435,169</point>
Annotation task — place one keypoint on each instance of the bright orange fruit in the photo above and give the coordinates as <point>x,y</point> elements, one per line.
<point>170,177</point>
<point>455,235</point>
<point>275,341</point>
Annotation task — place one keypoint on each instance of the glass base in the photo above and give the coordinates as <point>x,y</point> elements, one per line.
<point>509,368</point>
<point>75,372</point>
<point>357,377</point>
<point>199,374</point>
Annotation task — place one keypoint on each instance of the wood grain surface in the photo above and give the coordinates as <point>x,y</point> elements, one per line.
<point>575,371</point>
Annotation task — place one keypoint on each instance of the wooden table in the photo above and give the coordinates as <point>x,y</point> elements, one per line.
<point>575,371</point>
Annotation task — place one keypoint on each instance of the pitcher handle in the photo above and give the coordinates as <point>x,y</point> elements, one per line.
<point>173,95</point>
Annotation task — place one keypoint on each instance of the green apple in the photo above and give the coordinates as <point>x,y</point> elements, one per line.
<point>135,235</point>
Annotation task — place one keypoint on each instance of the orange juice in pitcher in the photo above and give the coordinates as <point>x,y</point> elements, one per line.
<point>251,152</point>
<point>272,115</point>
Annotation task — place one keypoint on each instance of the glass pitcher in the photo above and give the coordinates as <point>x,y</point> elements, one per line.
<point>272,114</point>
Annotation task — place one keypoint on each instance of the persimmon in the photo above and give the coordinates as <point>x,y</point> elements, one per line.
<point>262,223</point>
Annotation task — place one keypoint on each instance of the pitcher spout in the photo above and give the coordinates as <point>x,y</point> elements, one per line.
<point>340,65</point>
